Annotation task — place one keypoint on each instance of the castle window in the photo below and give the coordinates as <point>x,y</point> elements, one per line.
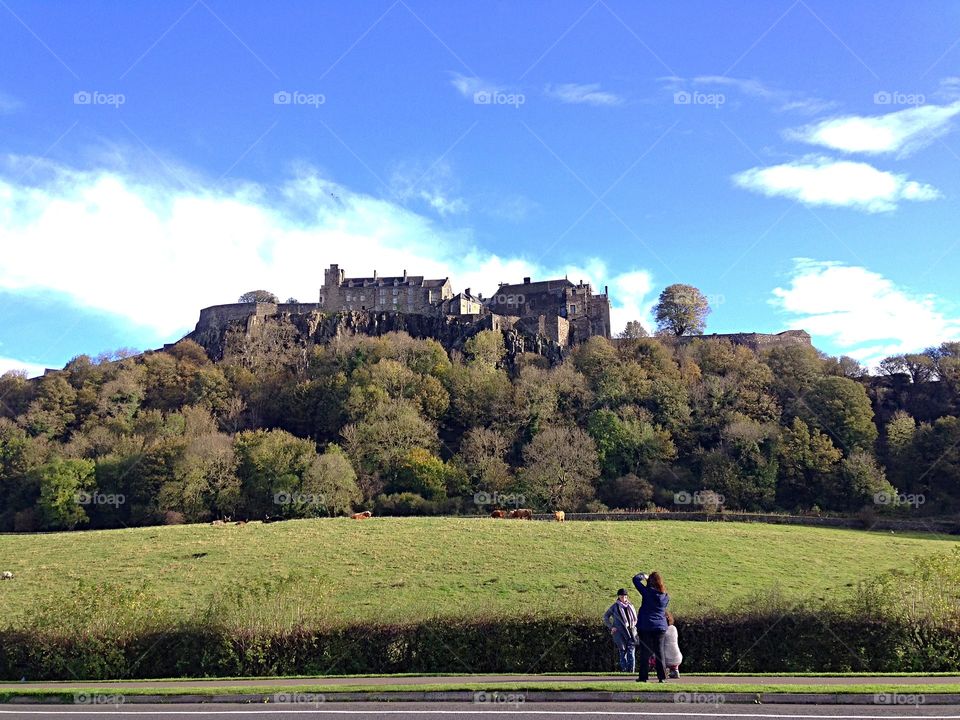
<point>573,309</point>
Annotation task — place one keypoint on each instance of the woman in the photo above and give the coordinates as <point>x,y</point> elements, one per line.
<point>652,622</point>
<point>621,618</point>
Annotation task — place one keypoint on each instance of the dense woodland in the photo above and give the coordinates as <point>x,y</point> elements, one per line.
<point>401,426</point>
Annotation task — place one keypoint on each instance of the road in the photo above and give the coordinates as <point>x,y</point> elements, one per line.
<point>441,711</point>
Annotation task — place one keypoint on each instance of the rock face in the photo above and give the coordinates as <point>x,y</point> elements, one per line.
<point>231,332</point>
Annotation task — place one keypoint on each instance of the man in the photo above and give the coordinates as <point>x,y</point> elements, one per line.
<point>621,618</point>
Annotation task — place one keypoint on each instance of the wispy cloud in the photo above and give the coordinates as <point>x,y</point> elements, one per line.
<point>121,236</point>
<point>780,100</point>
<point>818,180</point>
<point>902,132</point>
<point>576,94</point>
<point>864,313</point>
<point>434,185</point>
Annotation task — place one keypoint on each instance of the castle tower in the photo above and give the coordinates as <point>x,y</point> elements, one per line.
<point>331,298</point>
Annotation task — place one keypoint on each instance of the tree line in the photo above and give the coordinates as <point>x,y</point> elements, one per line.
<point>401,426</point>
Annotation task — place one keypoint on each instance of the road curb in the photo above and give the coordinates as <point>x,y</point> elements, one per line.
<point>500,698</point>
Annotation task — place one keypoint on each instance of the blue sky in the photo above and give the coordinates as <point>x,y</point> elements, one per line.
<point>797,161</point>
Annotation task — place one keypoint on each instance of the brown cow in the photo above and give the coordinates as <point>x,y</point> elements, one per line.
<point>498,514</point>
<point>361,515</point>
<point>559,516</point>
<point>521,514</point>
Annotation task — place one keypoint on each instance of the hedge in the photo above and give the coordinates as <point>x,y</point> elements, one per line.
<point>762,641</point>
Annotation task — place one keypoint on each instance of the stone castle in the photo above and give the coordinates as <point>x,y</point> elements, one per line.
<point>545,316</point>
<point>556,309</point>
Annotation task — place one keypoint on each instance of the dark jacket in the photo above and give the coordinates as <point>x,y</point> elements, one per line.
<point>652,614</point>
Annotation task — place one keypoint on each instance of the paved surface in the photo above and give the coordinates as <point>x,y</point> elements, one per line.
<point>531,711</point>
<point>439,679</point>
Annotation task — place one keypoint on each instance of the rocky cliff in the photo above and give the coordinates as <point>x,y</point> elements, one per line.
<point>233,332</point>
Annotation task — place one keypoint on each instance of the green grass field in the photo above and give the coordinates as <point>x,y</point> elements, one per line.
<point>341,570</point>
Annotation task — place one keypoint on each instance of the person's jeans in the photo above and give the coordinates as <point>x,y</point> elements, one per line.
<point>651,643</point>
<point>627,657</point>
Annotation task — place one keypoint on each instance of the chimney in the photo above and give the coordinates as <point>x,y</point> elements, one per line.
<point>606,290</point>
<point>467,292</point>
<point>374,274</point>
<point>404,274</point>
<point>526,281</point>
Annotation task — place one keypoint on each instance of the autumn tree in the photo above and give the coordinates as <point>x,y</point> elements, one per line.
<point>681,310</point>
<point>560,467</point>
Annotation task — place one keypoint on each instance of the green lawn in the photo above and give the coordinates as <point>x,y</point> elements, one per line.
<point>407,568</point>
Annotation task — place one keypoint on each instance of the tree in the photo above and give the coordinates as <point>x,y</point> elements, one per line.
<point>61,485</point>
<point>864,481</point>
<point>252,296</point>
<point>560,467</point>
<point>840,407</point>
<point>633,330</point>
<point>283,475</point>
<point>681,310</point>
<point>919,366</point>
<point>486,349</point>
<point>482,454</point>
<point>807,460</point>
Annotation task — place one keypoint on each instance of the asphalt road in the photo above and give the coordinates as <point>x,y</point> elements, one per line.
<point>441,711</point>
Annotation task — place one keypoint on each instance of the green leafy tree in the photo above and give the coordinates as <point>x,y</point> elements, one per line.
<point>681,310</point>
<point>841,408</point>
<point>63,487</point>
<point>263,296</point>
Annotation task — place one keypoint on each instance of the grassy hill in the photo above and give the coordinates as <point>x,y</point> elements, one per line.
<point>409,568</point>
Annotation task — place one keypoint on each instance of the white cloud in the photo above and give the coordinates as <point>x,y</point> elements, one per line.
<point>432,184</point>
<point>819,180</point>
<point>780,100</point>
<point>575,94</point>
<point>862,312</point>
<point>902,132</point>
<point>32,369</point>
<point>469,86</point>
<point>135,244</point>
<point>633,292</point>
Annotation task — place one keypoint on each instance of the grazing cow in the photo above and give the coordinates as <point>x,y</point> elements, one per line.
<point>521,514</point>
<point>559,516</point>
<point>7,575</point>
<point>361,515</point>
<point>498,514</point>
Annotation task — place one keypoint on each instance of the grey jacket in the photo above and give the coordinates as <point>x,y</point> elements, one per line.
<point>612,618</point>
